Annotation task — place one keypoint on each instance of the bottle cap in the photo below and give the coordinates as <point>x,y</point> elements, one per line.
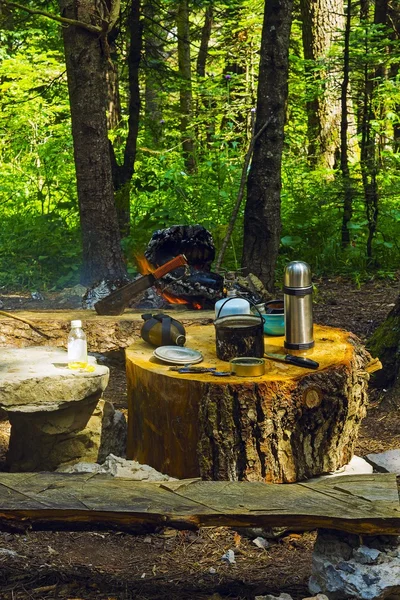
<point>297,274</point>
<point>180,340</point>
<point>76,323</point>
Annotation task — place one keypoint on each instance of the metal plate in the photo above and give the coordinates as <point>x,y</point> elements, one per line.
<point>177,355</point>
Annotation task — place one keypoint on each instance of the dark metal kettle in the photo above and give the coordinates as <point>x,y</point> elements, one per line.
<point>297,291</point>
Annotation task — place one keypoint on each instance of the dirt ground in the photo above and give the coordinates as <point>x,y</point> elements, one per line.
<point>185,565</point>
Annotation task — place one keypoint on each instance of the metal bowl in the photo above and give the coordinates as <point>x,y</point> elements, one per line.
<point>274,324</point>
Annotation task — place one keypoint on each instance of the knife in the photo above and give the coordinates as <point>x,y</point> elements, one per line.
<point>116,302</point>
<point>299,361</point>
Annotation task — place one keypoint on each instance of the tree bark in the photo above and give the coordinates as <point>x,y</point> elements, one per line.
<point>185,73</point>
<point>122,174</point>
<point>344,126</point>
<point>262,222</point>
<point>154,37</point>
<point>385,343</point>
<point>205,39</point>
<point>321,20</point>
<point>368,156</point>
<point>86,71</point>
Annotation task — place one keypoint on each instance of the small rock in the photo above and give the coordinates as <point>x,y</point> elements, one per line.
<point>229,557</point>
<point>366,555</point>
<point>261,542</point>
<point>270,597</point>
<point>317,597</point>
<point>37,296</point>
<point>385,462</point>
<point>356,466</point>
<point>119,467</point>
<point>7,552</point>
<point>212,571</point>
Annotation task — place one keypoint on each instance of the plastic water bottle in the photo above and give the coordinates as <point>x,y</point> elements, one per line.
<point>77,347</point>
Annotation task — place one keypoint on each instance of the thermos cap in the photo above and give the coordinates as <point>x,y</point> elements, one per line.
<point>297,275</point>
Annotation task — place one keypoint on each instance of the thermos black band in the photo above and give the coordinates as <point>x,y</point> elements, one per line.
<point>304,346</point>
<point>297,291</point>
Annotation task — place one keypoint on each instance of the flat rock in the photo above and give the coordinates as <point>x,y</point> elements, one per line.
<point>37,379</point>
<point>119,467</point>
<point>356,466</point>
<point>351,566</point>
<point>385,462</point>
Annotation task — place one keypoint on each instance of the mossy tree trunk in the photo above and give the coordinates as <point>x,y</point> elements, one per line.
<point>385,343</point>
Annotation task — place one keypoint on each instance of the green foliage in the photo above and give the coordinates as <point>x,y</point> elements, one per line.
<point>40,237</point>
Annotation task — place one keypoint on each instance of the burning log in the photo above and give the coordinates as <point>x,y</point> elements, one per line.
<point>199,287</point>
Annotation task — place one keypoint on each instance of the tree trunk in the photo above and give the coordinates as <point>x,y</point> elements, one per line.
<point>153,37</point>
<point>122,174</point>
<point>185,73</point>
<point>321,21</point>
<point>368,155</point>
<point>86,71</point>
<point>385,343</point>
<point>205,39</point>
<point>344,126</point>
<point>262,221</point>
<point>284,426</point>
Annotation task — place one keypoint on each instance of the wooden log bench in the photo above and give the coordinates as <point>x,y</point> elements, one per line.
<point>359,504</point>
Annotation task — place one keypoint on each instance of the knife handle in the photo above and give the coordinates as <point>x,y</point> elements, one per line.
<point>299,361</point>
<point>178,261</point>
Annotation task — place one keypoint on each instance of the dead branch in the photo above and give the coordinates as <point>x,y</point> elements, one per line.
<point>6,314</point>
<point>235,212</point>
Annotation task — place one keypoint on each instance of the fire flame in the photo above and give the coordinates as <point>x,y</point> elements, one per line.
<point>143,265</point>
<point>171,299</point>
<point>144,268</point>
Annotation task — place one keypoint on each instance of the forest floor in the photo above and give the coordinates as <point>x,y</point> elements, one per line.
<point>182,565</point>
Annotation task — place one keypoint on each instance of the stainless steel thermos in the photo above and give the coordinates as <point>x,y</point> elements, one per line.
<point>297,291</point>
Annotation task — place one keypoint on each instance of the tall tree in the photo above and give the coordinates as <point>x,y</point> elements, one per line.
<point>321,22</point>
<point>344,127</point>
<point>122,173</point>
<point>185,91</point>
<point>262,219</point>
<point>154,38</point>
<point>86,61</point>
<point>204,41</point>
<point>373,74</point>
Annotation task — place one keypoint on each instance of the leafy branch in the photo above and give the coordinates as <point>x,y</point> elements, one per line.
<point>43,13</point>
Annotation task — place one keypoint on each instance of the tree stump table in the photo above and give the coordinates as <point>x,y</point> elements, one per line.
<point>285,426</point>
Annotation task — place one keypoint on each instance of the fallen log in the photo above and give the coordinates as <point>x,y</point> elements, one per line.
<point>366,504</point>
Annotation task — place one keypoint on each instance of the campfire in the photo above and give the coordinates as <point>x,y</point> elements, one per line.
<point>175,272</point>
<point>195,286</point>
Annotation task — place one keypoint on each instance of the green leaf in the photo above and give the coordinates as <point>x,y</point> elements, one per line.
<point>290,241</point>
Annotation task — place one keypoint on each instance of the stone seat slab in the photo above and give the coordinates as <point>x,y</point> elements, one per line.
<point>56,414</point>
<point>37,379</point>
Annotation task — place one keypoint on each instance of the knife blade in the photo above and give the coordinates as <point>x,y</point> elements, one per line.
<point>116,302</point>
<point>299,361</point>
